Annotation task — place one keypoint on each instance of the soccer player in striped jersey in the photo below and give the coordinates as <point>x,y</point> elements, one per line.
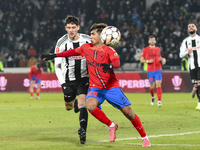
<point>103,83</point>
<point>191,47</point>
<point>34,76</point>
<point>72,72</point>
<point>152,56</point>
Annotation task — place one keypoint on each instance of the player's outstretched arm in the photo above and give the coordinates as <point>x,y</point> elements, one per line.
<point>50,56</point>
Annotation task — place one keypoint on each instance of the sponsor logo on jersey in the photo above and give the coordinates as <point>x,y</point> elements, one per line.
<point>93,63</point>
<point>76,57</point>
<point>57,50</point>
<point>116,54</point>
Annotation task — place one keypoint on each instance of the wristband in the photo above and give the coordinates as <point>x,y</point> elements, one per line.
<point>147,61</point>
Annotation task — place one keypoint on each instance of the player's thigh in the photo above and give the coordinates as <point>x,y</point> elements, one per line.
<point>117,98</point>
<point>92,103</point>
<point>95,97</point>
<point>38,86</point>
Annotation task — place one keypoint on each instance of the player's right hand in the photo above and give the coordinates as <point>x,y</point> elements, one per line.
<point>48,56</point>
<point>189,50</point>
<point>150,61</point>
<point>66,89</point>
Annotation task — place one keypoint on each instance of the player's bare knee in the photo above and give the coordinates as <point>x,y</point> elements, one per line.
<point>90,107</point>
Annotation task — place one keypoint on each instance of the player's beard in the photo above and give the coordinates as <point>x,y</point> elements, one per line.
<point>192,32</point>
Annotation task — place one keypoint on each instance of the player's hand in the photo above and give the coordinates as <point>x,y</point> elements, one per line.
<point>32,81</point>
<point>107,67</point>
<point>163,61</point>
<point>66,89</point>
<point>48,56</point>
<point>149,61</point>
<point>189,50</point>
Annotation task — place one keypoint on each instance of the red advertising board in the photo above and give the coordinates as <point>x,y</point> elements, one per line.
<point>129,82</point>
<point>138,82</point>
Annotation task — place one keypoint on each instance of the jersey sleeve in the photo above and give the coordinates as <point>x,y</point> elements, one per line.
<point>80,50</point>
<point>112,53</point>
<point>183,49</point>
<point>29,74</point>
<point>143,53</point>
<point>57,64</point>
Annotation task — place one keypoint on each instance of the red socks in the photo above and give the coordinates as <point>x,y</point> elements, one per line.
<point>31,94</point>
<point>38,94</point>
<point>99,114</point>
<point>152,92</point>
<point>138,125</point>
<point>159,93</point>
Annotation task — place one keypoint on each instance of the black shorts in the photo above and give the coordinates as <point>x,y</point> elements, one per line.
<point>195,74</point>
<point>78,87</point>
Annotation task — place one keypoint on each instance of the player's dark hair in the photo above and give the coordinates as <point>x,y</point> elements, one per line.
<point>192,23</point>
<point>72,20</point>
<point>38,65</point>
<point>98,26</point>
<point>152,36</point>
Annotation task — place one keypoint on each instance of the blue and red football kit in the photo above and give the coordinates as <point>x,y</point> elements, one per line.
<point>154,70</point>
<point>104,85</point>
<point>101,85</point>
<point>34,74</point>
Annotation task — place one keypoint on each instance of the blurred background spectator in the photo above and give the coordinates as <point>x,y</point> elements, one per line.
<point>31,27</point>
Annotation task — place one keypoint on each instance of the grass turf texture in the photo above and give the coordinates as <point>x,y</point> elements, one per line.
<point>45,124</point>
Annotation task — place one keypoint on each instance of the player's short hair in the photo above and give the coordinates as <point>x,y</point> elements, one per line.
<point>38,65</point>
<point>72,20</point>
<point>151,36</point>
<point>192,23</point>
<point>98,26</point>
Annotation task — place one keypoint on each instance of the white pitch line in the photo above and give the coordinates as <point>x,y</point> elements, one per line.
<point>164,144</point>
<point>29,108</point>
<point>154,136</point>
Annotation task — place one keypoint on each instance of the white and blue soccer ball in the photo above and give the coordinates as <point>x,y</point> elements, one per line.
<point>110,36</point>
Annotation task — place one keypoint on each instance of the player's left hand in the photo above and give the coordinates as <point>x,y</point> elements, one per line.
<point>106,67</point>
<point>48,56</point>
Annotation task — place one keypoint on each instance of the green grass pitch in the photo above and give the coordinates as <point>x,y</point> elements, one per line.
<point>45,124</point>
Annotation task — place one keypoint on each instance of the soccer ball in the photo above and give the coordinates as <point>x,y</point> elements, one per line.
<point>110,36</point>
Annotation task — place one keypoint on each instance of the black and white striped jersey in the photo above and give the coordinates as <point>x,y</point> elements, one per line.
<point>74,67</point>
<point>194,57</point>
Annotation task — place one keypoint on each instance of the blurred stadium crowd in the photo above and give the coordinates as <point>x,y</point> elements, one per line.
<point>31,27</point>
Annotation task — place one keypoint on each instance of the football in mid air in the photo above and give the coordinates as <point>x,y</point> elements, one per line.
<point>110,36</point>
